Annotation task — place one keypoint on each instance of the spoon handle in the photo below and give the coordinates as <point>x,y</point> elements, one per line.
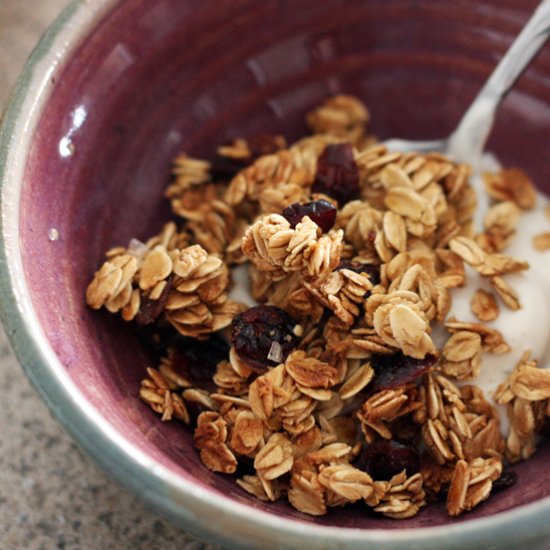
<point>468,140</point>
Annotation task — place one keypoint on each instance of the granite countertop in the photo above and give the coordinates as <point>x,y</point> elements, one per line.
<point>51,496</point>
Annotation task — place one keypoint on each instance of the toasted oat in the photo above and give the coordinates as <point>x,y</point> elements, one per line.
<point>236,150</point>
<point>499,264</point>
<point>491,339</point>
<point>189,172</point>
<point>197,303</point>
<point>294,165</point>
<point>357,381</point>
<point>513,185</point>
<point>532,383</point>
<point>461,355</point>
<point>210,438</point>
<point>526,381</point>
<point>228,381</point>
<point>453,273</point>
<point>468,250</point>
<point>484,305</point>
<point>542,241</point>
<point>275,247</point>
<point>486,264</point>
<point>262,395</point>
<point>306,493</point>
<point>199,398</point>
<point>508,295</point>
<point>342,291</point>
<point>247,433</point>
<point>157,392</point>
<point>332,453</point>
<point>346,481</point>
<point>260,488</point>
<point>211,221</point>
<point>417,211</point>
<point>471,483</point>
<point>308,372</point>
<point>401,497</point>
<point>342,115</point>
<point>383,408</point>
<point>457,424</point>
<point>395,176</point>
<point>157,265</point>
<point>399,320</point>
<point>500,225</point>
<point>188,284</point>
<point>395,231</point>
<point>111,281</point>
<point>275,458</point>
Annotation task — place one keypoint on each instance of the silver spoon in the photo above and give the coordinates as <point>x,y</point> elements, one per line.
<point>467,141</point>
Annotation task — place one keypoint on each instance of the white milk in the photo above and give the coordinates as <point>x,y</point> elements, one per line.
<point>527,328</point>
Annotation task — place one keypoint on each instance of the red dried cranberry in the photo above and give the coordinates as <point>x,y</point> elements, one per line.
<point>156,337</point>
<point>373,271</point>
<point>405,429</point>
<point>196,360</point>
<point>397,369</point>
<point>321,212</point>
<point>149,310</point>
<point>337,174</point>
<point>507,479</point>
<point>385,458</point>
<point>254,331</point>
<point>225,168</point>
<point>265,144</point>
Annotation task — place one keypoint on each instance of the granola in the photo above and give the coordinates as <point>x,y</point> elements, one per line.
<point>350,382</point>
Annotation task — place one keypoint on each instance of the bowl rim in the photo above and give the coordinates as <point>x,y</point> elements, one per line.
<point>189,505</point>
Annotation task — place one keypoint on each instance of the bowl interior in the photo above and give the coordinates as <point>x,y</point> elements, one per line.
<point>155,78</point>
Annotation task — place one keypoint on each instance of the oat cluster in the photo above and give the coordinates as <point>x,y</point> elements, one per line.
<point>353,399</point>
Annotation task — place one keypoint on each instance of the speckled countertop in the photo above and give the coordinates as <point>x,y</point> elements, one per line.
<point>51,496</point>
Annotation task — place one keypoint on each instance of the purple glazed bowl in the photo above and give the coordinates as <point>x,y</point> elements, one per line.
<point>117,88</point>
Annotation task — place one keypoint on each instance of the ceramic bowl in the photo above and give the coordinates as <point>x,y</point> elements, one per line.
<point>112,93</point>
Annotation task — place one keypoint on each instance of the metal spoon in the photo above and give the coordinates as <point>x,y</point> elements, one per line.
<point>467,141</point>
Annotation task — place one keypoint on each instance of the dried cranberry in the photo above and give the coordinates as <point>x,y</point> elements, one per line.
<point>254,331</point>
<point>156,337</point>
<point>321,212</point>
<point>337,174</point>
<point>196,360</point>
<point>397,369</point>
<point>507,479</point>
<point>405,429</point>
<point>373,271</point>
<point>245,466</point>
<point>265,144</point>
<point>149,310</point>
<point>225,168</point>
<point>385,458</point>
